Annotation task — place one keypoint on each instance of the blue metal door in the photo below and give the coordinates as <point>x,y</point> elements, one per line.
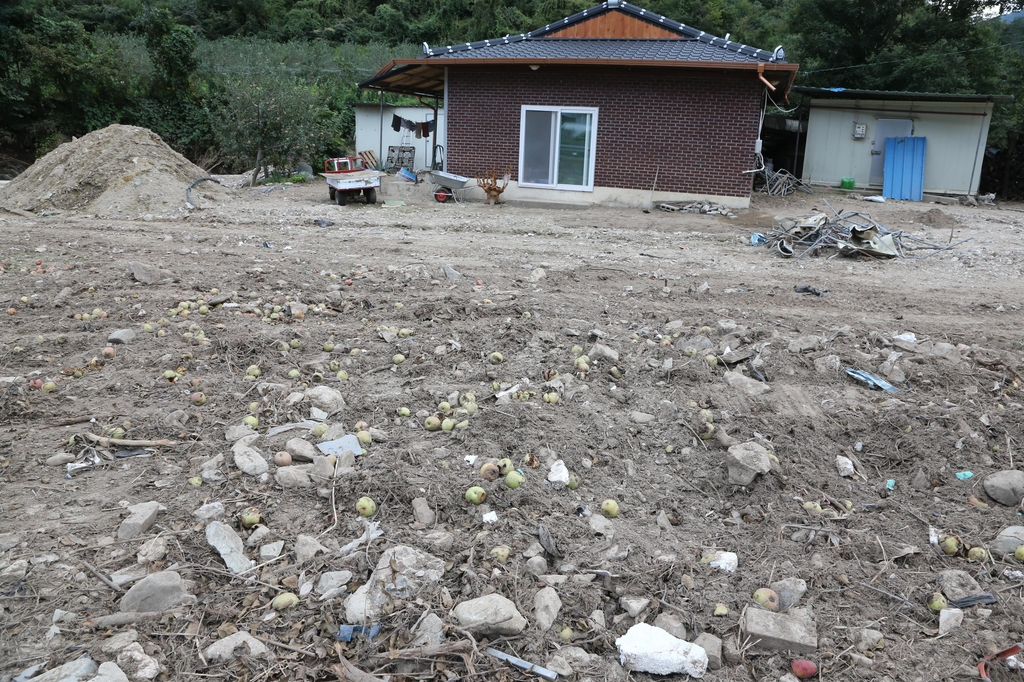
<point>904,168</point>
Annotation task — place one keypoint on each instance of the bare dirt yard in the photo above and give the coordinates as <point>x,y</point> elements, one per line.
<point>714,408</point>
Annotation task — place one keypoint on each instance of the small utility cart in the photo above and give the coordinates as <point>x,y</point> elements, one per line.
<point>450,186</point>
<point>348,177</point>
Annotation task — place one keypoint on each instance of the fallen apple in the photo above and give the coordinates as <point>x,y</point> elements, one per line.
<point>364,437</point>
<point>565,634</point>
<point>397,358</point>
<point>432,423</point>
<point>950,544</point>
<point>328,347</point>
<point>500,553</point>
<point>282,458</point>
<point>198,399</point>
<point>610,508</point>
<point>252,371</point>
<point>1018,553</point>
<point>366,506</point>
<point>514,479</point>
<point>976,554</point>
<point>444,407</point>
<point>319,430</point>
<point>489,472</point>
<point>767,598</point>
<point>48,387</point>
<point>195,481</point>
<point>403,412</point>
<point>283,601</point>
<point>476,495</point>
<point>496,358</point>
<point>573,482</point>
<point>803,668</point>
<point>109,352</point>
<point>294,374</point>
<point>250,517</point>
<point>251,421</point>
<point>447,424</point>
<point>342,375</point>
<point>505,466</point>
<point>937,602</point>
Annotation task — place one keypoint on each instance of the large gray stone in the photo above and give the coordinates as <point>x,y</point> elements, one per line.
<point>247,459</point>
<point>156,592</point>
<point>238,432</point>
<point>805,343</point>
<point>599,352</point>
<point>712,646</point>
<point>1005,487</point>
<point>110,672</point>
<point>332,580</point>
<point>958,584</point>
<point>328,399</point>
<point>780,631</point>
<point>211,511</point>
<point>546,606</point>
<point>239,643</point>
<point>422,512</point>
<point>141,518</point>
<point>225,540</point>
<point>137,664</point>
<point>293,477</point>
<point>121,336</point>
<point>671,624</point>
<point>790,591</point>
<point>429,631</point>
<point>745,461</point>
<point>301,450</point>
<point>1007,540</point>
<point>401,573</point>
<point>73,671</point>
<point>149,274</point>
<point>746,385</point>
<point>307,547</point>
<point>490,615</point>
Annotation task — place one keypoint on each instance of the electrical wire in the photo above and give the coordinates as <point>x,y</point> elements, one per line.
<point>910,59</point>
<point>785,111</point>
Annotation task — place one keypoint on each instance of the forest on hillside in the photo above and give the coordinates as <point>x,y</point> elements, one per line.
<point>195,71</point>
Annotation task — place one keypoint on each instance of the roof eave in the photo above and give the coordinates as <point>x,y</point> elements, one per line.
<point>582,61</point>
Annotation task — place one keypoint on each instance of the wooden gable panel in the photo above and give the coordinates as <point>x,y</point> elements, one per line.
<point>613,24</point>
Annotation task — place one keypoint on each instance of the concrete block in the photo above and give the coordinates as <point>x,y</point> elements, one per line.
<point>793,631</point>
<point>712,646</point>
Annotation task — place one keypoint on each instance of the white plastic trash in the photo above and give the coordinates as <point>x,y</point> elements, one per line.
<point>649,649</point>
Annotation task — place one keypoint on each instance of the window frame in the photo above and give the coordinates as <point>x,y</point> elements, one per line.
<point>592,162</point>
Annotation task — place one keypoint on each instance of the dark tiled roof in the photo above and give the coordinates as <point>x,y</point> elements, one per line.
<point>696,45</point>
<point>663,49</point>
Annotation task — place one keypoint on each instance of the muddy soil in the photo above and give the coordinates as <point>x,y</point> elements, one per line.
<point>666,291</point>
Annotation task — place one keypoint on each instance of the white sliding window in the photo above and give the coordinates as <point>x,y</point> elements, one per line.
<point>556,147</point>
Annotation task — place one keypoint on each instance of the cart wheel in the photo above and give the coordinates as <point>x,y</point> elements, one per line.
<point>341,198</point>
<point>330,190</point>
<point>442,195</point>
<point>371,195</point>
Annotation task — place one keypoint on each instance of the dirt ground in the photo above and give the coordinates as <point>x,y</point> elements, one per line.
<point>530,284</point>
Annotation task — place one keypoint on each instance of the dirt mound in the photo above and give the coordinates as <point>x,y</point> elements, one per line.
<point>938,219</point>
<point>119,171</point>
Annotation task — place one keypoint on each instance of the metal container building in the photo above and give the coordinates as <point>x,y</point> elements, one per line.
<point>847,130</point>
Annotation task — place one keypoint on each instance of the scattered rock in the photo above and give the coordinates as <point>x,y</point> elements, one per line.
<point>634,605</point>
<point>307,547</point>
<point>236,433</point>
<point>958,584</point>
<point>946,351</point>
<point>73,671</point>
<point>844,465</point>
<point>790,591</point>
<point>868,639</point>
<point>649,649</point>
<point>271,550</point>
<point>490,615</point>
<point>60,459</point>
<point>328,399</point>
<point>827,364</point>
<point>153,550</point>
<point>558,476</point>
<point>712,646</point>
<point>641,417</point>
<point>669,623</point>
<point>429,631</point>
<point>422,513</point>
<point>1005,487</point>
<point>804,343</point>
<point>211,511</point>
<point>401,573</point>
<point>121,336</point>
<point>237,644</point>
<point>746,385</point>
<point>301,450</point>
<point>141,518</point>
<point>137,664</point>
<point>599,351</point>
<point>745,461</point>
<point>780,631</point>
<point>332,580</point>
<point>546,606</point>
<point>537,565</point>
<point>156,592</point>
<point>949,620</point>
<point>109,672</point>
<point>258,535</point>
<point>112,645</point>
<point>247,459</point>
<point>14,573</point>
<point>293,477</point>
<point>149,274</point>
<point>1007,540</point>
<point>225,540</point>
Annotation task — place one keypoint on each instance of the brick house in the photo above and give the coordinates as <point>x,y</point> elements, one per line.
<point>601,107</point>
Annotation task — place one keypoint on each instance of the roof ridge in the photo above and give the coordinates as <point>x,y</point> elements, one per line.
<point>633,10</point>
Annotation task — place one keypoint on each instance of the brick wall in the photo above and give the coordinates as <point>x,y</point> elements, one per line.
<point>698,126</point>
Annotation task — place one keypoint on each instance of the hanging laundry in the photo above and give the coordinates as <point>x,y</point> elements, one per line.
<point>425,128</point>
<point>433,125</point>
<point>396,123</point>
<point>408,125</point>
<point>419,131</point>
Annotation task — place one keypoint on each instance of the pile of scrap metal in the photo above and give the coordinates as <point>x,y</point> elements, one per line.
<point>706,207</point>
<point>776,182</point>
<point>848,233</point>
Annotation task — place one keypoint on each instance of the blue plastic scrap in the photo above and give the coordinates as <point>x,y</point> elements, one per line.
<point>758,239</point>
<point>346,633</point>
<point>871,380</point>
<point>890,484</point>
<point>964,475</point>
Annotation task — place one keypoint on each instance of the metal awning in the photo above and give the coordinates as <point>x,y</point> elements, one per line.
<point>419,80</point>
<point>898,96</point>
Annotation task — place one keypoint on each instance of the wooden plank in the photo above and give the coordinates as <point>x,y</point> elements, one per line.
<point>614,24</point>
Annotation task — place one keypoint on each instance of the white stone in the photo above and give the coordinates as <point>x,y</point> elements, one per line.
<point>156,592</point>
<point>307,547</point>
<point>949,620</point>
<point>745,461</point>
<point>537,565</point>
<point>293,477</point>
<point>489,615</point>
<point>633,605</point>
<point>422,512</point>
<point>301,450</point>
<point>429,632</point>
<point>546,606</point>
<point>844,465</point>
<point>258,535</point>
<point>558,476</point>
<point>235,644</point>
<point>137,664</point>
<point>225,540</point>
<point>141,518</point>
<point>332,580</point>
<point>112,645</point>
<point>401,573</point>
<point>73,671</point>
<point>725,561</point>
<point>645,648</point>
<point>744,384</point>
<point>247,459</point>
<point>328,399</point>
<point>109,672</point>
<point>153,550</point>
<point>211,511</point>
<point>14,572</point>
<point>271,550</point>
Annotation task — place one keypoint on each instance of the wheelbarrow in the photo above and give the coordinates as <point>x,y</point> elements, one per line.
<point>450,186</point>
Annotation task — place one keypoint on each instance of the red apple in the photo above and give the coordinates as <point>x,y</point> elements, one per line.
<point>803,668</point>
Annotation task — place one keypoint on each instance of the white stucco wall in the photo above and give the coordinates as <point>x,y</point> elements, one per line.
<point>956,134</point>
<point>368,130</point>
